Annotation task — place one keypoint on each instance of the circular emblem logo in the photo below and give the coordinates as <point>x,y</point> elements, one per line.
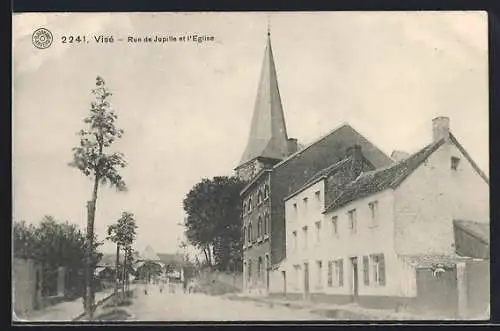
<point>42,38</point>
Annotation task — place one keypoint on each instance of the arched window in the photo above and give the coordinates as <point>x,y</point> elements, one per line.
<point>250,205</point>
<point>250,237</point>
<point>249,270</point>
<point>259,227</point>
<point>266,191</point>
<point>244,234</point>
<point>259,197</point>
<point>267,223</point>
<point>244,208</point>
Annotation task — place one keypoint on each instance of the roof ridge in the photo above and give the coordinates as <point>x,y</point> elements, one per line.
<point>409,162</point>
<point>343,124</point>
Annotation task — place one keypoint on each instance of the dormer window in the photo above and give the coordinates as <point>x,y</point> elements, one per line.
<point>454,163</point>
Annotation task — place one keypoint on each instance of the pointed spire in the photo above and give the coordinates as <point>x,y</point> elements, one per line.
<point>268,137</point>
<point>268,27</point>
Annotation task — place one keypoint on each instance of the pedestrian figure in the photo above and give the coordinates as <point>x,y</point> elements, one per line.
<point>161,286</point>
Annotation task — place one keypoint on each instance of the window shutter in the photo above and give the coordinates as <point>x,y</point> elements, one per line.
<point>330,273</point>
<point>341,272</point>
<point>366,270</point>
<point>381,269</point>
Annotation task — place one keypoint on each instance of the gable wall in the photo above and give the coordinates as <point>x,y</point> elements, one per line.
<point>428,201</point>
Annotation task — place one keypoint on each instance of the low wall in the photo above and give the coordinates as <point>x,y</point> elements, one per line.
<point>24,296</point>
<point>478,287</point>
<point>231,281</point>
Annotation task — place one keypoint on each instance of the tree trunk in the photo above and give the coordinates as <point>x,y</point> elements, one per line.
<point>206,255</point>
<point>116,274</point>
<point>89,272</point>
<point>124,271</point>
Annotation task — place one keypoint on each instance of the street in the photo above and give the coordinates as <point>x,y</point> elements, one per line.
<point>178,306</point>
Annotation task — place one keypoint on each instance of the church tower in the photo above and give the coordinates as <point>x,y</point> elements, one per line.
<point>268,142</point>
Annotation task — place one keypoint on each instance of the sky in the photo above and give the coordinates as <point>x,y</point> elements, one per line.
<point>186,107</point>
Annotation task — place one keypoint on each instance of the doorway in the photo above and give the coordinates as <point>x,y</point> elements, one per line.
<point>355,278</point>
<point>268,270</point>
<point>283,273</point>
<point>306,280</point>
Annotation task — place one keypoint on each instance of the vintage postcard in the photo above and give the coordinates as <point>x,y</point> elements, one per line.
<point>250,166</point>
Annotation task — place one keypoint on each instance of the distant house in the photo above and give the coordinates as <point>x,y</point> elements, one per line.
<point>412,233</point>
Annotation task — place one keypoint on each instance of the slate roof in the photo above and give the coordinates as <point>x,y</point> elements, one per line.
<point>478,230</point>
<point>148,254</point>
<point>107,259</point>
<point>323,174</point>
<point>170,258</point>
<point>268,137</point>
<point>380,179</point>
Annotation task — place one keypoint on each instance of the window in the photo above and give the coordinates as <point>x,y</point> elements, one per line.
<point>259,227</point>
<point>378,269</point>
<point>250,233</point>
<point>267,227</point>
<point>374,212</point>
<point>266,191</point>
<point>338,272</point>
<point>244,208</point>
<point>334,226</point>
<point>296,276</point>
<point>366,270</point>
<point>249,205</point>
<point>245,235</point>
<point>352,220</point>
<point>318,231</point>
<point>304,231</point>
<point>317,195</point>
<point>454,163</point>
<point>330,274</point>
<point>305,201</point>
<point>259,197</point>
<point>249,270</point>
<point>294,239</point>
<point>259,268</point>
<point>319,265</point>
<point>295,207</point>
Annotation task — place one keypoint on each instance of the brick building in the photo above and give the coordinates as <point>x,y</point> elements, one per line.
<point>275,166</point>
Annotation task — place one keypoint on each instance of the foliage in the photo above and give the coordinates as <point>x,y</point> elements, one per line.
<point>90,157</point>
<point>213,223</point>
<point>54,244</point>
<point>123,232</point>
<point>93,159</point>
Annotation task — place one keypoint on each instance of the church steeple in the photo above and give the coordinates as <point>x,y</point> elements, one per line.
<point>268,137</point>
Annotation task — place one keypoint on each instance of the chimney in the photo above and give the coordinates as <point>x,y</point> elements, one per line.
<point>440,128</point>
<point>399,155</point>
<point>356,155</point>
<point>354,151</point>
<point>292,146</point>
